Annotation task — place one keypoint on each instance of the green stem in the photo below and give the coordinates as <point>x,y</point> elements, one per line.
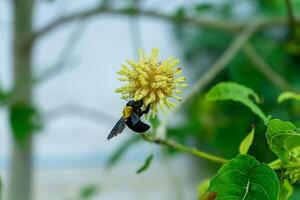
<point>276,164</point>
<point>185,149</point>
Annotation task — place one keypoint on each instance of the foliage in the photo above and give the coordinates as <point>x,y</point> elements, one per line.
<point>245,178</point>
<point>146,165</point>
<point>88,192</point>
<point>283,139</point>
<point>247,142</point>
<point>236,92</point>
<point>288,95</point>
<point>24,119</point>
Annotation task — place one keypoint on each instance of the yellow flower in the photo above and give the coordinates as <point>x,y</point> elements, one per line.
<point>152,81</point>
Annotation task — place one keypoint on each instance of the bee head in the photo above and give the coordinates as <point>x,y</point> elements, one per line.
<point>135,104</point>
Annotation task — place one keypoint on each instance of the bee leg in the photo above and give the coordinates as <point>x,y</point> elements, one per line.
<point>146,111</point>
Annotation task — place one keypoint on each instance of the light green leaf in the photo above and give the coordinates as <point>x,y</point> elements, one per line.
<point>202,188</point>
<point>147,163</point>
<point>244,178</point>
<point>236,92</point>
<point>288,95</point>
<point>282,138</point>
<point>247,142</point>
<point>286,190</point>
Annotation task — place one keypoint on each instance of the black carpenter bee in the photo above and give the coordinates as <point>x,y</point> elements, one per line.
<point>131,117</point>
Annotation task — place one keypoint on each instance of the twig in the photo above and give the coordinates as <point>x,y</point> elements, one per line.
<point>290,14</point>
<point>230,27</point>
<point>277,164</point>
<point>186,149</point>
<point>73,39</point>
<point>131,11</point>
<point>134,30</point>
<point>79,111</point>
<point>59,65</point>
<point>267,70</point>
<point>209,75</point>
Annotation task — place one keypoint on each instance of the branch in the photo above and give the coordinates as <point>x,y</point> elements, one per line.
<point>59,65</point>
<point>291,17</point>
<point>209,75</point>
<point>230,27</point>
<point>80,111</point>
<point>97,116</point>
<point>185,149</point>
<point>267,70</point>
<point>131,11</point>
<point>66,51</point>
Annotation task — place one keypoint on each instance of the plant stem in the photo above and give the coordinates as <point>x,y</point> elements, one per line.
<point>263,67</point>
<point>185,149</point>
<point>230,27</point>
<point>290,13</point>
<point>210,74</point>
<point>276,164</point>
<point>20,174</point>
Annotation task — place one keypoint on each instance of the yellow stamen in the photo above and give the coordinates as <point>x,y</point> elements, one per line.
<point>151,81</point>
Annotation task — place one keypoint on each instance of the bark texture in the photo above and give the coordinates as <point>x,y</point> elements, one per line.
<point>20,177</point>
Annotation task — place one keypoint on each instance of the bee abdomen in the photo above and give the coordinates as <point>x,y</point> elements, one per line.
<point>139,127</point>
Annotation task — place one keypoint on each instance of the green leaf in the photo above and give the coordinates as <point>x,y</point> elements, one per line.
<point>147,163</point>
<point>288,95</point>
<point>286,190</point>
<point>203,7</point>
<point>3,95</point>
<point>247,141</point>
<point>245,178</point>
<point>88,192</point>
<point>24,119</point>
<point>236,92</point>
<point>203,187</point>
<point>282,138</point>
<point>180,13</point>
<point>121,150</point>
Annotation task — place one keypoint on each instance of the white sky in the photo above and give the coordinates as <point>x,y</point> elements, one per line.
<point>70,143</point>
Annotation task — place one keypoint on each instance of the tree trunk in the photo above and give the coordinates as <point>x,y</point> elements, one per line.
<point>20,177</point>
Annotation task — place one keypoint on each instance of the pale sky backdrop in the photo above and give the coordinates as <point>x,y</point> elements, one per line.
<point>70,152</point>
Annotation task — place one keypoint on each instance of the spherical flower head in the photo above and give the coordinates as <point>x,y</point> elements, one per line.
<point>152,81</point>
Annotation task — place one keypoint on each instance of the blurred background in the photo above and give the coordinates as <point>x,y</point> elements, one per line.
<point>58,64</point>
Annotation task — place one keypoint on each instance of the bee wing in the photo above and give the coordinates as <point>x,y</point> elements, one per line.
<point>118,128</point>
<point>134,118</point>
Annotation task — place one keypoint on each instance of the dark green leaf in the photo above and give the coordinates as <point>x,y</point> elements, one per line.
<point>282,138</point>
<point>146,164</point>
<point>88,192</point>
<point>203,7</point>
<point>236,92</point>
<point>3,94</point>
<point>24,120</point>
<point>245,178</point>
<point>180,13</point>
